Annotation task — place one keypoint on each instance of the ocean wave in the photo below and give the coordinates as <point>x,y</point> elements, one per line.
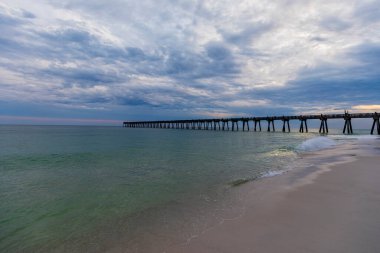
<point>270,173</point>
<point>316,143</point>
<point>273,173</point>
<point>240,181</point>
<point>355,137</point>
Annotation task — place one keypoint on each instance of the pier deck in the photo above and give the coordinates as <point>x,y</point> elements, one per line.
<point>232,124</point>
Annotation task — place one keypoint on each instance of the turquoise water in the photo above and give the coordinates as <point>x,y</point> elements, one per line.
<point>82,189</point>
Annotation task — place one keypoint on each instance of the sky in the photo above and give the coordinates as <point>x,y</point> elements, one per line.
<point>103,62</point>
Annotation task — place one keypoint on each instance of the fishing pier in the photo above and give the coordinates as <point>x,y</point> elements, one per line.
<point>232,124</point>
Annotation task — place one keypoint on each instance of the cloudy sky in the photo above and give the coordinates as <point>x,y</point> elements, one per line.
<point>101,62</point>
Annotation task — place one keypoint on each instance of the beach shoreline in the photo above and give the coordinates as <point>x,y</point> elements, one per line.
<point>329,203</point>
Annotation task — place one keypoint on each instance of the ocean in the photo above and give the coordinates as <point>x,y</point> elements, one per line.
<point>98,189</point>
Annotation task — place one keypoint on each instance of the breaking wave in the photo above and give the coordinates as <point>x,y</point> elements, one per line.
<point>316,143</point>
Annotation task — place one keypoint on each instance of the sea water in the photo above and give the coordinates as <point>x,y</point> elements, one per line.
<point>94,189</point>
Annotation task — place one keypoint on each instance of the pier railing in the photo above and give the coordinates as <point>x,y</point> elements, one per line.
<point>232,124</point>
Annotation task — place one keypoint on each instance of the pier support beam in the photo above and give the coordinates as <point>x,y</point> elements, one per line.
<point>347,123</point>
<point>376,123</point>
<point>233,125</point>
<point>323,128</point>
<point>303,121</point>
<point>245,122</point>
<point>285,122</point>
<point>257,121</point>
<point>270,122</point>
<point>225,123</point>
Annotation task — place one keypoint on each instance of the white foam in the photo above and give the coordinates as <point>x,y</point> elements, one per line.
<point>356,137</point>
<point>316,143</point>
<point>272,173</point>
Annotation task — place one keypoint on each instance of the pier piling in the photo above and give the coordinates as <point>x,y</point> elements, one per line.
<point>225,123</point>
<point>257,121</point>
<point>245,122</point>
<point>270,122</point>
<point>233,125</point>
<point>323,127</point>
<point>347,123</point>
<point>376,123</point>
<point>285,121</point>
<point>303,121</point>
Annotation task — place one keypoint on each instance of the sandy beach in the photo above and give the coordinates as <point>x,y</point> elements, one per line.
<point>331,206</point>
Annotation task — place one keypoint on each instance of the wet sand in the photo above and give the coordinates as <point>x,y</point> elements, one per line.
<point>332,207</point>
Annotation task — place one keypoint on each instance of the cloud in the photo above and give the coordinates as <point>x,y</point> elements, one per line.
<point>247,34</point>
<point>334,24</point>
<point>84,75</point>
<point>8,20</point>
<point>367,11</point>
<point>189,58</point>
<point>244,103</point>
<point>328,83</point>
<point>367,107</point>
